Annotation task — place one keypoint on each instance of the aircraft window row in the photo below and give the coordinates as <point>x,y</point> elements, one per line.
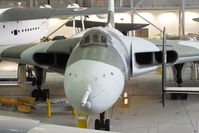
<point>24,30</point>
<point>94,39</point>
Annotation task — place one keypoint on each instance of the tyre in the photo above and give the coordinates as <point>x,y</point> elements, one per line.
<point>35,94</point>
<point>107,125</point>
<point>184,96</point>
<point>97,124</point>
<point>33,82</point>
<point>174,96</point>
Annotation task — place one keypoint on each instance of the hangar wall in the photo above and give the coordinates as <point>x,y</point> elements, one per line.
<point>161,18</point>
<point>170,20</point>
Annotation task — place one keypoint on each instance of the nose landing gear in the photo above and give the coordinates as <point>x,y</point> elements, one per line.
<point>102,124</point>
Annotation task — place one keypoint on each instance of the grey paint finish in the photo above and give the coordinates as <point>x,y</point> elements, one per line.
<point>64,46</point>
<point>15,51</point>
<point>183,51</point>
<point>56,47</point>
<point>108,55</point>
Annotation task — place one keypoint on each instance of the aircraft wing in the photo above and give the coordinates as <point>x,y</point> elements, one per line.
<point>50,55</point>
<point>123,27</point>
<point>146,54</point>
<point>196,19</point>
<point>19,125</point>
<point>186,51</point>
<point>18,14</point>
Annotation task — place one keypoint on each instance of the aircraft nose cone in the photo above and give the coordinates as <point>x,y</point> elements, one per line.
<point>92,87</point>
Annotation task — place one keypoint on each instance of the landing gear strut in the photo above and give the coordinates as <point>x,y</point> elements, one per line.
<point>30,76</point>
<point>178,68</point>
<point>102,124</point>
<point>38,93</point>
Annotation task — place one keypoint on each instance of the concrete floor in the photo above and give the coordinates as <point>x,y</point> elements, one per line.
<point>144,115</point>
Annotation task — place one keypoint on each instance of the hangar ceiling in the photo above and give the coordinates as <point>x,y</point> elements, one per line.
<point>93,3</point>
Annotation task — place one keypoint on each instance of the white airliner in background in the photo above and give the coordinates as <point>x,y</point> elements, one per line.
<point>25,25</point>
<point>21,32</point>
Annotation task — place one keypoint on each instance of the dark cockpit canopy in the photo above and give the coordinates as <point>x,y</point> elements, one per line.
<point>96,37</point>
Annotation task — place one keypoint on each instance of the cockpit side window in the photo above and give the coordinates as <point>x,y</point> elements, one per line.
<point>87,39</point>
<point>95,38</point>
<point>103,39</point>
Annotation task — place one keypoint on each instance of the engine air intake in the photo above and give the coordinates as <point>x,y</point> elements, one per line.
<point>150,58</point>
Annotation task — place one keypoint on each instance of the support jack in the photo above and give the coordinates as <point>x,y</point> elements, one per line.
<point>30,76</point>
<point>175,96</point>
<point>179,91</point>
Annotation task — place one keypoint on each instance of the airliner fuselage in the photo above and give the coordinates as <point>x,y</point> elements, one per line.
<point>22,32</point>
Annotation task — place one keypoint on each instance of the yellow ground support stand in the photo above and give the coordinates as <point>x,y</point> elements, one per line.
<point>82,121</point>
<point>49,107</point>
<point>160,70</point>
<point>74,112</point>
<point>53,106</point>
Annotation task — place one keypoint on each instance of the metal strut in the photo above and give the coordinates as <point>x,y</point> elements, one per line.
<point>46,38</point>
<point>164,61</point>
<point>178,68</point>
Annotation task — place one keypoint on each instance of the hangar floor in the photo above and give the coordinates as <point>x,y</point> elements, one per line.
<point>144,115</point>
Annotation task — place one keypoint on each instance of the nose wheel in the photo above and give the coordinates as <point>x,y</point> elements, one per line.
<point>102,124</point>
